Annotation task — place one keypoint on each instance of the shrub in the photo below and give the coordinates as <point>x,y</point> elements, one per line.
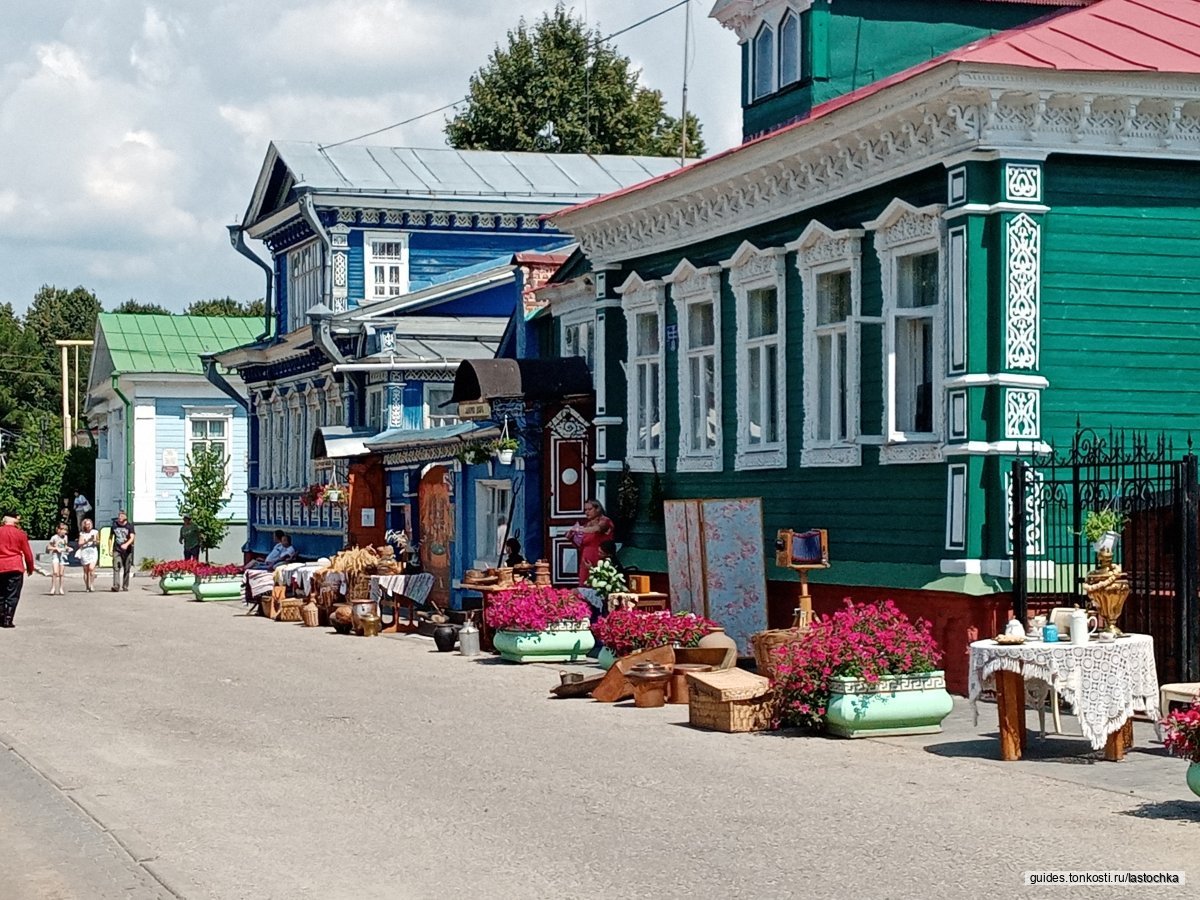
<point>626,631</point>
<point>535,609</point>
<point>867,640</point>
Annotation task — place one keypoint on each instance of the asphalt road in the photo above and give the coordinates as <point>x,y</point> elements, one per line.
<point>157,747</point>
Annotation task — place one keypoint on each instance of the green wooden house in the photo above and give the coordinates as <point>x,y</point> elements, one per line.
<point>952,231</point>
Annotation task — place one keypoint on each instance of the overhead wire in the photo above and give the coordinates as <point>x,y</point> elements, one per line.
<point>597,43</point>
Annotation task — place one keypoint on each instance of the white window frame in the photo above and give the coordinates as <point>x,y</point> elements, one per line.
<point>903,230</point>
<point>691,286</point>
<point>757,61</point>
<point>640,297</point>
<point>585,318</point>
<point>370,295</point>
<point>376,418</point>
<point>752,269</point>
<point>305,286</point>
<point>783,19</point>
<point>294,434</point>
<point>820,251</point>
<point>278,443</point>
<point>434,412</point>
<point>486,532</point>
<point>211,414</point>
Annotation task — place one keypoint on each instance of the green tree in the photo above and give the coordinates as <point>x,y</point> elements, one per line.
<point>226,306</point>
<point>558,87</point>
<point>205,482</point>
<point>58,314</point>
<point>31,480</point>
<point>23,375</point>
<point>137,308</point>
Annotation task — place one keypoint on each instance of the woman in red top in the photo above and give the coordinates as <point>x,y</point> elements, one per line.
<point>16,561</point>
<point>589,535</point>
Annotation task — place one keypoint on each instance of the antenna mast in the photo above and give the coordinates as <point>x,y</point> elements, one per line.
<point>687,27</point>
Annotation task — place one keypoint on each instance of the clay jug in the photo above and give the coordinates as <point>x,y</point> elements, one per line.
<point>718,638</point>
<point>445,636</point>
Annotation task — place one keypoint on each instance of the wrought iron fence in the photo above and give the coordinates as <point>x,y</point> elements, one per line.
<point>1153,489</point>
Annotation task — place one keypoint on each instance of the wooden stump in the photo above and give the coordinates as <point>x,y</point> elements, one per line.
<point>615,686</point>
<point>1118,742</point>
<point>1010,705</point>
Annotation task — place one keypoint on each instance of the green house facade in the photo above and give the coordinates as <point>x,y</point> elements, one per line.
<point>865,313</point>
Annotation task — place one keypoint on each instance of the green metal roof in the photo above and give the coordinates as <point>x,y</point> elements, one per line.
<point>148,343</point>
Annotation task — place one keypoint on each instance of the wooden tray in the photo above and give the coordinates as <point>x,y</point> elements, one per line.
<point>581,688</point>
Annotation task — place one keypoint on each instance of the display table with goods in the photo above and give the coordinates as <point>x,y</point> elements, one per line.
<point>396,592</point>
<point>1106,680</point>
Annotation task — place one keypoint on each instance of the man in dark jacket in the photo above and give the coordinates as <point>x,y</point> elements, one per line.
<point>16,561</point>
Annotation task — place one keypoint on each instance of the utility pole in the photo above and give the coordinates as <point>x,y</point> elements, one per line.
<point>687,27</point>
<point>67,425</point>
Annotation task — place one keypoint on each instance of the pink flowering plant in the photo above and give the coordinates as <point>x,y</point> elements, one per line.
<point>534,608</point>
<point>204,570</point>
<point>1181,732</point>
<point>175,567</point>
<point>626,631</point>
<point>864,640</point>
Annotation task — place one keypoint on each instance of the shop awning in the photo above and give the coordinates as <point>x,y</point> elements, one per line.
<point>340,442</point>
<point>535,380</point>
<point>444,437</point>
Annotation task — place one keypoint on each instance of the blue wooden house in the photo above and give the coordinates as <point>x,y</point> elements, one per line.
<point>388,266</point>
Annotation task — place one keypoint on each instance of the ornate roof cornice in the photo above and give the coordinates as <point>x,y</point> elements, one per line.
<point>896,131</point>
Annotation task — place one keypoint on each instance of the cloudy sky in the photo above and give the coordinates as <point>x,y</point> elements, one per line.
<point>131,132</point>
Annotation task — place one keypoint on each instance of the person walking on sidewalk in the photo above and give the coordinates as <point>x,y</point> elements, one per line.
<point>121,541</point>
<point>189,536</point>
<point>16,561</point>
<point>83,509</point>
<point>87,551</point>
<point>58,548</point>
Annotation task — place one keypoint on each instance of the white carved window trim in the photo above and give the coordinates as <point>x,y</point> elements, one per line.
<point>436,415</point>
<point>690,287</point>
<point>903,230</point>
<point>374,418</point>
<point>277,448</point>
<point>751,269</point>
<point>206,414</point>
<point>820,250</point>
<point>291,465</point>
<point>572,321</point>
<point>1023,292</point>
<point>391,288</point>
<point>304,282</point>
<point>640,297</point>
<point>312,421</point>
<point>791,15</point>
<point>757,62</point>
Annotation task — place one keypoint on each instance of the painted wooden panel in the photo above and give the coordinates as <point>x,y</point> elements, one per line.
<point>685,557</point>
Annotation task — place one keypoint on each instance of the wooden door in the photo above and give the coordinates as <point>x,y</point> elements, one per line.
<point>437,530</point>
<point>567,484</point>
<point>366,523</point>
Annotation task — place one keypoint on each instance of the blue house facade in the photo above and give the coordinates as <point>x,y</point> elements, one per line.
<point>388,267</point>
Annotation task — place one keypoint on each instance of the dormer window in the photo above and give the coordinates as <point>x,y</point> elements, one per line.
<point>763,62</point>
<point>789,49</point>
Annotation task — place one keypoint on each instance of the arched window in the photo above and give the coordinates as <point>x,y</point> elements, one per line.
<point>789,49</point>
<point>764,62</point>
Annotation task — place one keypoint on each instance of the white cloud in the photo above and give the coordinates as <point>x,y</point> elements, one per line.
<point>131,132</point>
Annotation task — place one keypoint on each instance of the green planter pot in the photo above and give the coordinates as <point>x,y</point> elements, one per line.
<point>607,658</point>
<point>561,643</point>
<point>896,704</point>
<point>220,587</point>
<point>180,583</point>
<point>1193,778</point>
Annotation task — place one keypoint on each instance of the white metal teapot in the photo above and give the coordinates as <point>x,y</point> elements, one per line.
<point>1082,627</point>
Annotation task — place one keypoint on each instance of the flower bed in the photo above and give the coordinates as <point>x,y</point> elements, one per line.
<point>540,624</point>
<point>175,576</point>
<point>217,582</point>
<point>626,631</point>
<point>863,642</point>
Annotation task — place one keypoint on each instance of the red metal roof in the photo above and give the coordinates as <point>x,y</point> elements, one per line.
<point>1107,36</point>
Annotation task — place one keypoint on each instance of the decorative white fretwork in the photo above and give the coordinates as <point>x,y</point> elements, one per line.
<point>1023,183</point>
<point>1022,414</point>
<point>1035,512</point>
<point>1023,283</point>
<point>640,298</point>
<point>822,251</point>
<point>691,286</point>
<point>568,424</point>
<point>387,340</point>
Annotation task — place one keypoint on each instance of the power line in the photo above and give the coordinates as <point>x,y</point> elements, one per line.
<point>597,43</point>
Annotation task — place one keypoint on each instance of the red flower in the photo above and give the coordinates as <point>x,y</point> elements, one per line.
<point>1182,732</point>
<point>175,567</point>
<point>535,609</point>
<point>626,631</point>
<point>864,641</point>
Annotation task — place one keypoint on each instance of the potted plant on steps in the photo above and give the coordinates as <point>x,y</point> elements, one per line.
<point>865,671</point>
<point>1102,527</point>
<point>1181,737</point>
<point>540,624</point>
<point>217,582</point>
<point>175,576</point>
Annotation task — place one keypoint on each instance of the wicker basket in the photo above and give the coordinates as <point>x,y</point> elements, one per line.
<point>766,642</point>
<point>310,615</point>
<point>731,700</point>
<point>289,610</point>
<point>359,589</point>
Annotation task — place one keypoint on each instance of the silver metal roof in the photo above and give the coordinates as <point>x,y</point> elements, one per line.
<point>465,173</point>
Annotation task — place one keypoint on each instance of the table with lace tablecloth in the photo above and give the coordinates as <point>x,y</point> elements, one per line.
<point>1105,682</point>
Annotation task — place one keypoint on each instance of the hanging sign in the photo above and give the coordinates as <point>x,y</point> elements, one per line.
<point>475,409</point>
<point>170,463</point>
